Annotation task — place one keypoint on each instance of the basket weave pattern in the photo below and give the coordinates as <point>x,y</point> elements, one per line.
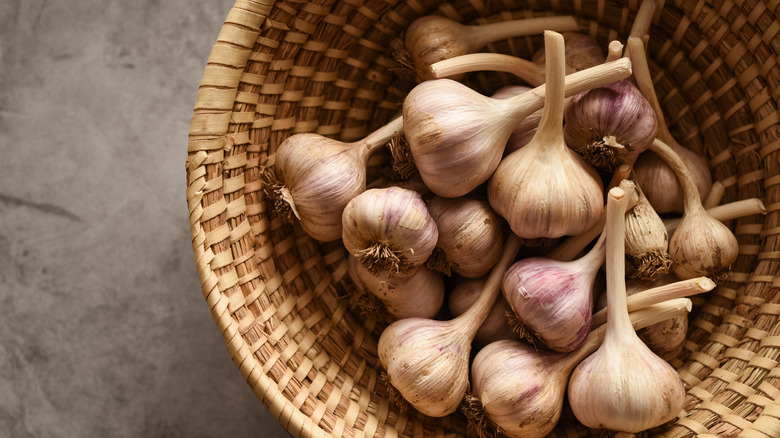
<point>281,299</point>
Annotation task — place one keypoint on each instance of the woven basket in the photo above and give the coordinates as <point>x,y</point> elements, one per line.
<point>281,300</point>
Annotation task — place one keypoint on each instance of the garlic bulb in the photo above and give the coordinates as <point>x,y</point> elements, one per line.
<point>623,386</point>
<point>420,295</point>
<point>315,177</point>
<point>427,361</point>
<point>389,230</point>
<point>526,129</point>
<point>651,172</point>
<point>457,136</point>
<point>544,190</point>
<point>521,388</point>
<point>647,241</point>
<point>701,244</point>
<point>554,299</point>
<point>610,125</point>
<point>471,234</point>
<point>434,38</point>
<point>581,52</point>
<point>496,326</point>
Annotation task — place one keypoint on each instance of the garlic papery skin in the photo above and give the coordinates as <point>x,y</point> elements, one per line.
<point>647,242</point>
<point>623,386</point>
<point>457,136</point>
<point>471,234</point>
<point>434,38</point>
<point>610,125</point>
<point>581,52</point>
<point>420,295</point>
<point>496,325</point>
<point>554,299</point>
<point>389,230</point>
<point>427,361</point>
<point>526,129</point>
<point>701,245</point>
<point>545,190</point>
<point>314,177</point>
<point>651,172</point>
<point>521,388</point>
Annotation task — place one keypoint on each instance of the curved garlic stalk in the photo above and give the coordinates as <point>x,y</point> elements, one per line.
<point>427,361</point>
<point>433,38</point>
<point>701,245</point>
<point>315,177</point>
<point>651,172</point>
<point>520,389</point>
<point>496,325</point>
<point>530,72</point>
<point>389,230</point>
<point>544,190</point>
<point>457,136</point>
<point>623,386</point>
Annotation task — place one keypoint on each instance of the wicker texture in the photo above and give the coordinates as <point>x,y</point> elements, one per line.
<point>281,300</point>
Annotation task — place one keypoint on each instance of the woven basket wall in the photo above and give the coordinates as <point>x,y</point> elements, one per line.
<point>282,300</point>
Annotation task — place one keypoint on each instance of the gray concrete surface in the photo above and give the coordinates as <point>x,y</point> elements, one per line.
<point>103,328</point>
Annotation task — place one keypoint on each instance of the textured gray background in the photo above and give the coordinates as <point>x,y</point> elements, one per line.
<point>103,328</point>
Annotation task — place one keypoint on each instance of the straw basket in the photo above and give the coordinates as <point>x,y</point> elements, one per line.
<point>281,299</point>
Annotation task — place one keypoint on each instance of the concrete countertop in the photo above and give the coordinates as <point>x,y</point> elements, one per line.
<point>104,331</point>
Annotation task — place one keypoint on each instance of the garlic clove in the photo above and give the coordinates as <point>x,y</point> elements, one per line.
<point>389,230</point>
<point>647,241</point>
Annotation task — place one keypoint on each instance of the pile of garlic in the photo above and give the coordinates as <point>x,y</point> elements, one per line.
<point>572,172</point>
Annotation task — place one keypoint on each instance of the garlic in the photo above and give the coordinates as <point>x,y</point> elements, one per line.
<point>457,136</point>
<point>701,245</point>
<point>544,190</point>
<point>526,129</point>
<point>420,295</point>
<point>610,125</point>
<point>623,386</point>
<point>520,389</point>
<point>471,234</point>
<point>554,299</point>
<point>496,325</point>
<point>427,361</point>
<point>434,38</point>
<point>647,241</point>
<point>726,212</point>
<point>315,177</point>
<point>389,230</point>
<point>651,172</point>
<point>581,52</point>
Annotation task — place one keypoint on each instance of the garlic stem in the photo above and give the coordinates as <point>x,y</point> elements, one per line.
<point>643,19</point>
<point>726,212</point>
<point>380,137</point>
<point>716,194</point>
<point>691,197</point>
<point>528,71</point>
<point>617,309</point>
<point>644,81</point>
<point>614,51</point>
<point>476,314</point>
<point>655,295</point>
<point>549,132</point>
<point>485,34</point>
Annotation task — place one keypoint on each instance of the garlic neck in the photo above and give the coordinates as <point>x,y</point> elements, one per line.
<point>618,321</point>
<point>379,138</point>
<point>550,131</point>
